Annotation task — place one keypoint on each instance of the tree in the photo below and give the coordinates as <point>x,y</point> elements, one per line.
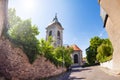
<point>91,51</point>
<point>91,55</point>
<point>23,34</point>
<point>12,18</point>
<point>100,50</point>
<point>67,57</point>
<point>60,56</point>
<point>63,56</point>
<point>105,51</point>
<point>46,48</point>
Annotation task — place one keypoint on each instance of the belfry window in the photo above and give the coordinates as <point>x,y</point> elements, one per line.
<point>50,33</point>
<point>58,34</point>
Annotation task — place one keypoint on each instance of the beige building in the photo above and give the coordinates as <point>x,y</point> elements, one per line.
<point>76,56</point>
<point>110,13</point>
<point>55,30</point>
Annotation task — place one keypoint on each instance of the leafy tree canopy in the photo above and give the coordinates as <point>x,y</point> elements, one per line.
<point>92,51</point>
<point>105,51</point>
<point>23,34</point>
<point>60,56</point>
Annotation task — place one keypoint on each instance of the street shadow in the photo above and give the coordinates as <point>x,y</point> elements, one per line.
<point>76,69</point>
<point>75,66</point>
<point>74,78</point>
<point>80,70</point>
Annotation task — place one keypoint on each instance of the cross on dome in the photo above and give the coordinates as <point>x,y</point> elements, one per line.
<point>55,19</point>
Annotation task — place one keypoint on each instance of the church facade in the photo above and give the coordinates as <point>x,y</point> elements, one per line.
<point>76,56</point>
<point>55,30</point>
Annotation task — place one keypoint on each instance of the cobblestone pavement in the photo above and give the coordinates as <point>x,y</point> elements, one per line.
<point>90,73</point>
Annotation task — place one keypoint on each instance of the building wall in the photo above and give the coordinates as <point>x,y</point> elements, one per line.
<point>112,8</point>
<point>3,15</point>
<point>55,28</point>
<point>108,64</point>
<point>81,58</point>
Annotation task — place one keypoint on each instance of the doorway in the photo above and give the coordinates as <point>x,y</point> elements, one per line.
<point>75,58</point>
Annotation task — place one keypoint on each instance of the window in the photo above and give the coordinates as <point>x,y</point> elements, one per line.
<point>50,33</point>
<point>58,34</point>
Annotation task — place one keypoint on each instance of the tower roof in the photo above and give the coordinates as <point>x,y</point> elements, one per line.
<point>55,21</point>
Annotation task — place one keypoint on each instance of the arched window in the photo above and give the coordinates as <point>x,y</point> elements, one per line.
<point>58,34</point>
<point>50,33</point>
<point>75,58</point>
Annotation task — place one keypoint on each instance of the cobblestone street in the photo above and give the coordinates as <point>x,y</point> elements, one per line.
<point>91,73</point>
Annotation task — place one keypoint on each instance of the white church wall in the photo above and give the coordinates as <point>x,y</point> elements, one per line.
<point>55,26</point>
<point>79,58</point>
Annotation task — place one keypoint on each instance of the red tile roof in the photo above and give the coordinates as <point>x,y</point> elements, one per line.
<point>76,48</point>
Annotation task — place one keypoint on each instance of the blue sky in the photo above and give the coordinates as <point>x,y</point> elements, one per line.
<point>80,18</point>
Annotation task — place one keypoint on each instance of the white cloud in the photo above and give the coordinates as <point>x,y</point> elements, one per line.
<point>101,33</point>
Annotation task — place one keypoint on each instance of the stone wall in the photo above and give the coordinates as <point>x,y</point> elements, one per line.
<point>107,64</point>
<point>14,64</point>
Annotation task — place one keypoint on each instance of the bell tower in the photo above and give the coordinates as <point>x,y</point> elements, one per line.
<point>55,30</point>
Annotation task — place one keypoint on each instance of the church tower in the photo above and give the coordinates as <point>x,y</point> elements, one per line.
<point>55,30</point>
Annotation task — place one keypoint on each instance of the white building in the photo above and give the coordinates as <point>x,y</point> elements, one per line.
<point>55,30</point>
<point>76,56</point>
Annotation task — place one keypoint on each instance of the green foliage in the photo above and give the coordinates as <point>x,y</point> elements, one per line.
<point>95,42</point>
<point>12,18</point>
<point>91,55</point>
<point>23,34</point>
<point>55,55</point>
<point>88,65</point>
<point>45,47</point>
<point>92,51</point>
<point>67,57</point>
<point>62,55</point>
<point>105,51</point>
